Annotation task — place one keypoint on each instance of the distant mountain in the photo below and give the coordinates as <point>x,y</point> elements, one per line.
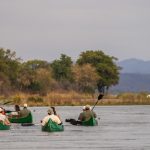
<point>134,76</point>
<point>132,83</point>
<point>136,66</point>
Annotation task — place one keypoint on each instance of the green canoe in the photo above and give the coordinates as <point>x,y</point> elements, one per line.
<point>27,119</point>
<point>52,127</point>
<point>4,127</point>
<point>91,122</point>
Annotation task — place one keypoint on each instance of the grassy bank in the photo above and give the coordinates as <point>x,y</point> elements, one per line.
<point>74,99</point>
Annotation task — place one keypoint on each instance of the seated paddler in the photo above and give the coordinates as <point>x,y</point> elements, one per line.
<point>25,111</point>
<point>87,114</point>
<point>50,115</point>
<point>16,112</point>
<point>3,117</point>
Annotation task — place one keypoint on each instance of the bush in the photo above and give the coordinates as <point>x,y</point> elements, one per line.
<point>35,99</point>
<point>16,99</point>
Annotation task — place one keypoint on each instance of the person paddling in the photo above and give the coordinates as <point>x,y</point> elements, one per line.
<point>87,114</point>
<point>51,116</point>
<point>16,112</point>
<point>83,116</point>
<point>3,118</point>
<point>55,113</point>
<point>25,111</point>
<point>4,111</point>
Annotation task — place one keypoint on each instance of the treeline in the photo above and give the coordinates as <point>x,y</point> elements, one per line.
<point>92,70</point>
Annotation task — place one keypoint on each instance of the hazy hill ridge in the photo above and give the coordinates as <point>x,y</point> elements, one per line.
<point>135,66</point>
<point>134,77</point>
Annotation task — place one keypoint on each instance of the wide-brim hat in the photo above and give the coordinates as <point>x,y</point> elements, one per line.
<point>25,105</point>
<point>50,111</point>
<point>87,107</point>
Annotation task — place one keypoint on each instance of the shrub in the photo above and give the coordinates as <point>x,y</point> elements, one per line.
<point>35,99</point>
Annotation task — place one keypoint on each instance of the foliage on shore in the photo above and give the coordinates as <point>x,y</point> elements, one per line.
<point>92,70</point>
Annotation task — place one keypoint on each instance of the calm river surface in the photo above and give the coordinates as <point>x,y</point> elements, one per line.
<point>120,128</point>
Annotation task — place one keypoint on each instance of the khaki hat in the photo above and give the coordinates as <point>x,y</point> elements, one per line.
<point>25,105</point>
<point>87,107</point>
<point>50,111</point>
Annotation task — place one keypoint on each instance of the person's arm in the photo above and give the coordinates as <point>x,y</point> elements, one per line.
<point>45,120</point>
<point>94,114</point>
<point>19,113</point>
<point>80,117</point>
<point>6,121</point>
<point>58,116</point>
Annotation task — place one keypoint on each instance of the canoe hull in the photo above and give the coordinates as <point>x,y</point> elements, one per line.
<point>4,127</point>
<point>91,122</point>
<point>27,119</point>
<point>52,127</point>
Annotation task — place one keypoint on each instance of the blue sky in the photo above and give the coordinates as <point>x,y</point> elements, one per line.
<point>43,29</point>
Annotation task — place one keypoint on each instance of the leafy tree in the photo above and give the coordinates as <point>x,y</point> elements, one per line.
<point>44,80</point>
<point>4,84</point>
<point>35,76</point>
<point>9,64</point>
<point>26,77</point>
<point>35,64</point>
<point>85,77</point>
<point>62,68</point>
<point>105,66</point>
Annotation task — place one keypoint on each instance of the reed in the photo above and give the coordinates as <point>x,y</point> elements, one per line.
<point>73,98</point>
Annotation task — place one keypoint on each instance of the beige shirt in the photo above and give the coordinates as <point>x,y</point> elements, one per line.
<point>52,117</point>
<point>14,113</point>
<point>2,117</point>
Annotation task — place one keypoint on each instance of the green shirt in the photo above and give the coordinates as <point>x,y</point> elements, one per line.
<point>24,112</point>
<point>86,115</point>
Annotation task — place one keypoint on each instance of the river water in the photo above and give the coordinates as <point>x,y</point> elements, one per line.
<point>120,128</point>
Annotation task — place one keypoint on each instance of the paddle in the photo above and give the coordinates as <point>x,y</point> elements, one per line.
<point>27,124</point>
<point>100,96</point>
<point>17,109</point>
<point>54,110</point>
<point>9,111</point>
<point>4,103</point>
<point>7,102</point>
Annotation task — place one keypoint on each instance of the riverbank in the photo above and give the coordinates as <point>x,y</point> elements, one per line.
<point>71,98</point>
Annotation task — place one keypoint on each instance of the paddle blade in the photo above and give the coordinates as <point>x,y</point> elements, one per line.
<point>27,124</point>
<point>8,111</point>
<point>7,102</point>
<point>100,96</point>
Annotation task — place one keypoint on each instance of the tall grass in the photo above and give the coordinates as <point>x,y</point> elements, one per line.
<point>73,98</point>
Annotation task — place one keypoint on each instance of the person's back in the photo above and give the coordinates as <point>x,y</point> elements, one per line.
<point>81,115</point>
<point>51,116</point>
<point>54,112</point>
<point>24,112</point>
<point>16,112</point>
<point>3,118</point>
<point>88,113</point>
